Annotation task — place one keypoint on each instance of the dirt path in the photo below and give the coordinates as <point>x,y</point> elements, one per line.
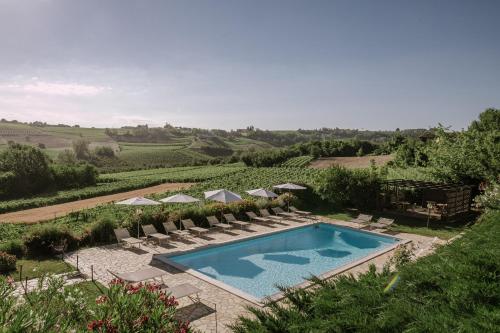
<point>350,162</point>
<point>35,215</point>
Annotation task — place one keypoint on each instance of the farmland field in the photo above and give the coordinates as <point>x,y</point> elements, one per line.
<point>120,182</point>
<point>299,161</point>
<point>351,162</point>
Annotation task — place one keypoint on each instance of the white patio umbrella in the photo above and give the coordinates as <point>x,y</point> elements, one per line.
<point>260,192</point>
<point>138,201</point>
<point>289,187</point>
<point>223,196</point>
<point>179,198</point>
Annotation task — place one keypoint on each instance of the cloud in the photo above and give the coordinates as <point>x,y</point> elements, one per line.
<point>54,88</point>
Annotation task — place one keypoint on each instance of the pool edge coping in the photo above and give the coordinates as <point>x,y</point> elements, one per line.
<point>261,302</point>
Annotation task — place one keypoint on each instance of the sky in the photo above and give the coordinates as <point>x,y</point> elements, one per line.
<point>273,64</point>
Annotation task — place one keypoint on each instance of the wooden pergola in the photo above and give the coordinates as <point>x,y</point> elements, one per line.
<point>441,200</point>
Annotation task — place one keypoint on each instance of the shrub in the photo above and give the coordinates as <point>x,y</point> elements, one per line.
<point>7,262</point>
<point>71,176</point>
<point>41,239</point>
<point>14,247</point>
<point>342,187</point>
<point>136,308</point>
<point>30,169</point>
<point>101,231</point>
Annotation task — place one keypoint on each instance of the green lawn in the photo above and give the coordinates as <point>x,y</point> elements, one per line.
<point>91,290</point>
<point>33,268</point>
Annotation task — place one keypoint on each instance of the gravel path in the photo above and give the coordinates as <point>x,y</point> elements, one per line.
<point>35,215</point>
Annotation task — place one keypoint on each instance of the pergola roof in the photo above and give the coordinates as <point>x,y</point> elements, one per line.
<point>420,184</point>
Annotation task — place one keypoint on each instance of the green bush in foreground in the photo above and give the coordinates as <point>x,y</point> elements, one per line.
<point>55,308</point>
<point>456,289</point>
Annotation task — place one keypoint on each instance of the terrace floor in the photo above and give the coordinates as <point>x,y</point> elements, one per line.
<point>229,306</point>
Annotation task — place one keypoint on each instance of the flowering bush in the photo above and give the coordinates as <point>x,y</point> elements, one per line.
<point>51,307</point>
<point>136,308</point>
<point>48,308</point>
<point>7,262</point>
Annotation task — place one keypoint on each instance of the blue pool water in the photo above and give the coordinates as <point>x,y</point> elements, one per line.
<point>285,258</point>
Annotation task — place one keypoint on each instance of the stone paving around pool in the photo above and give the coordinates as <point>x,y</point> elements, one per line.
<point>219,307</point>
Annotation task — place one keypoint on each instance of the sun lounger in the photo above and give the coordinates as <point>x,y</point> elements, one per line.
<point>253,217</point>
<point>265,213</point>
<point>184,290</point>
<point>170,228</point>
<point>151,233</point>
<point>189,225</point>
<point>232,220</point>
<point>382,223</point>
<point>215,223</point>
<point>300,212</point>
<point>151,273</point>
<point>291,216</point>
<point>279,211</point>
<point>362,219</point>
<point>123,237</point>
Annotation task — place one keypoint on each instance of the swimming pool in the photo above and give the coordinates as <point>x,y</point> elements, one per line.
<point>255,266</point>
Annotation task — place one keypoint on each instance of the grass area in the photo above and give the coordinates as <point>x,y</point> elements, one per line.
<point>33,268</point>
<point>91,290</point>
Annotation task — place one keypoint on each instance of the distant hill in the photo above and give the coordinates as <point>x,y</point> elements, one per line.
<point>144,147</point>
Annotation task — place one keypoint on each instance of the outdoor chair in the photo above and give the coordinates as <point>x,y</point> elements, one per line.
<point>362,219</point>
<point>265,213</point>
<point>292,216</point>
<point>232,220</point>
<point>123,237</point>
<point>215,223</point>
<point>253,217</point>
<point>170,228</point>
<point>189,225</point>
<point>300,212</point>
<point>382,223</point>
<point>151,233</point>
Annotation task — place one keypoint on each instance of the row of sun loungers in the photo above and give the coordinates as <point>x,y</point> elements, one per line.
<point>150,232</point>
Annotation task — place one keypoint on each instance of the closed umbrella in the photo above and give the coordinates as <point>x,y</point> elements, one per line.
<point>179,198</point>
<point>260,192</point>
<point>138,201</point>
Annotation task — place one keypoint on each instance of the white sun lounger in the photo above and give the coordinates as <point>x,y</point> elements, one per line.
<point>152,273</point>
